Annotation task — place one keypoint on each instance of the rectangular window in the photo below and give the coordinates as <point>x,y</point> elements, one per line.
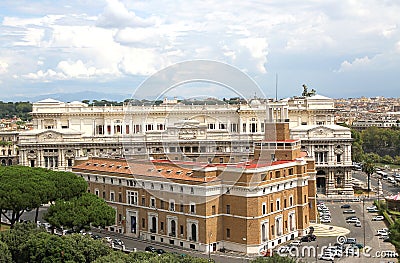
<point>162,226</point>
<point>181,208</point>
<point>244,127</point>
<point>143,223</point>
<point>143,201</point>
<point>132,198</point>
<point>234,127</point>
<point>149,127</point>
<point>213,210</point>
<point>152,202</point>
<point>272,207</point>
<point>192,208</point>
<point>264,208</point>
<point>112,196</point>
<point>211,126</point>
<point>222,126</point>
<point>228,209</point>
<point>305,198</point>
<point>181,230</point>
<point>172,206</point>
<point>127,130</point>
<point>228,233</point>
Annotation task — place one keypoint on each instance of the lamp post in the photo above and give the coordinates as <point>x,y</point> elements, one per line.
<point>316,254</point>
<point>364,219</point>
<point>209,246</point>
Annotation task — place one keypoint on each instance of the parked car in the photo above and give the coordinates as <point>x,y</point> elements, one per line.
<point>371,207</point>
<point>373,210</point>
<point>160,251</point>
<point>350,211</point>
<point>327,257</point>
<point>150,249</point>
<point>357,224</point>
<point>383,231</point>
<point>118,242</point>
<point>350,240</point>
<point>352,220</point>
<point>325,220</point>
<point>345,206</point>
<point>356,199</point>
<point>295,243</point>
<point>377,218</point>
<point>350,217</point>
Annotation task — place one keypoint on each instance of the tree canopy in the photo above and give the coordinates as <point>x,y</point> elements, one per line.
<point>80,213</point>
<point>26,243</point>
<point>26,188</point>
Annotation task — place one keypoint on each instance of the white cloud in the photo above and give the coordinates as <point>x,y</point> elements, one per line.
<point>356,64</point>
<point>138,61</point>
<point>116,15</point>
<point>258,50</point>
<point>3,67</point>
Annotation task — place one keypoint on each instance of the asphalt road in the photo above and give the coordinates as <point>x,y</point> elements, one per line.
<point>388,188</point>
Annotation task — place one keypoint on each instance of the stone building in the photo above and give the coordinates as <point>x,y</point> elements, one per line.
<point>219,133</point>
<point>200,205</point>
<point>8,148</point>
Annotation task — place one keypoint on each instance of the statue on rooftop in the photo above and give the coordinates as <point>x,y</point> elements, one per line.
<point>307,93</point>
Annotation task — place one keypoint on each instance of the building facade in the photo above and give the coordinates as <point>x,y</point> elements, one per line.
<point>8,148</point>
<point>199,205</point>
<point>330,145</point>
<point>66,132</point>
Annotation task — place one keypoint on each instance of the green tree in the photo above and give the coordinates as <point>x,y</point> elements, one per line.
<point>387,159</point>
<point>16,239</point>
<point>368,168</point>
<point>80,213</point>
<point>22,188</point>
<point>5,254</point>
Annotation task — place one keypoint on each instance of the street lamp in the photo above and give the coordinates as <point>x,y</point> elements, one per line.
<point>364,219</point>
<point>209,246</point>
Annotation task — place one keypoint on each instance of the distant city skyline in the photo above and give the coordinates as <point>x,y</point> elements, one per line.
<point>341,49</point>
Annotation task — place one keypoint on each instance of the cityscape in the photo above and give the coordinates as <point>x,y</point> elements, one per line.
<point>143,131</point>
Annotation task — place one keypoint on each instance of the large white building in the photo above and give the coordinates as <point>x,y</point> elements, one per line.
<point>64,132</point>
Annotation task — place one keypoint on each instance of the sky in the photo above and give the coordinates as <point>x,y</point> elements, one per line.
<point>341,49</point>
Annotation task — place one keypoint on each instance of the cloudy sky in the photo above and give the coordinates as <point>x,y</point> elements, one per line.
<point>343,48</point>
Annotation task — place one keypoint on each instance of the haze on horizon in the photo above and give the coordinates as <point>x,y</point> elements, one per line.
<point>339,48</point>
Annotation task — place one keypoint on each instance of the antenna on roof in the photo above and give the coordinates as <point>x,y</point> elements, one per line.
<point>276,87</point>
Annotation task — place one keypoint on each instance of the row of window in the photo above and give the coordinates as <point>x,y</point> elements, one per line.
<point>132,198</point>
<point>134,183</point>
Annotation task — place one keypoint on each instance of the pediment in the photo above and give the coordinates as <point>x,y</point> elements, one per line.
<point>321,131</point>
<point>48,136</point>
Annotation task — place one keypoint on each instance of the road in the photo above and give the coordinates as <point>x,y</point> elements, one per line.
<point>140,245</point>
<point>388,188</point>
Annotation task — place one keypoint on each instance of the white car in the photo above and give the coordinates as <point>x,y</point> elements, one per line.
<point>357,224</point>
<point>325,220</point>
<point>377,218</point>
<point>327,257</point>
<point>383,231</point>
<point>371,207</point>
<point>295,243</point>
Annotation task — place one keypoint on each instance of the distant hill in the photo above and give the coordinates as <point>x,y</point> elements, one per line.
<point>68,97</point>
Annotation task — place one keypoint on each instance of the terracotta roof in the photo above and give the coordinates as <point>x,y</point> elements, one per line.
<point>149,168</point>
